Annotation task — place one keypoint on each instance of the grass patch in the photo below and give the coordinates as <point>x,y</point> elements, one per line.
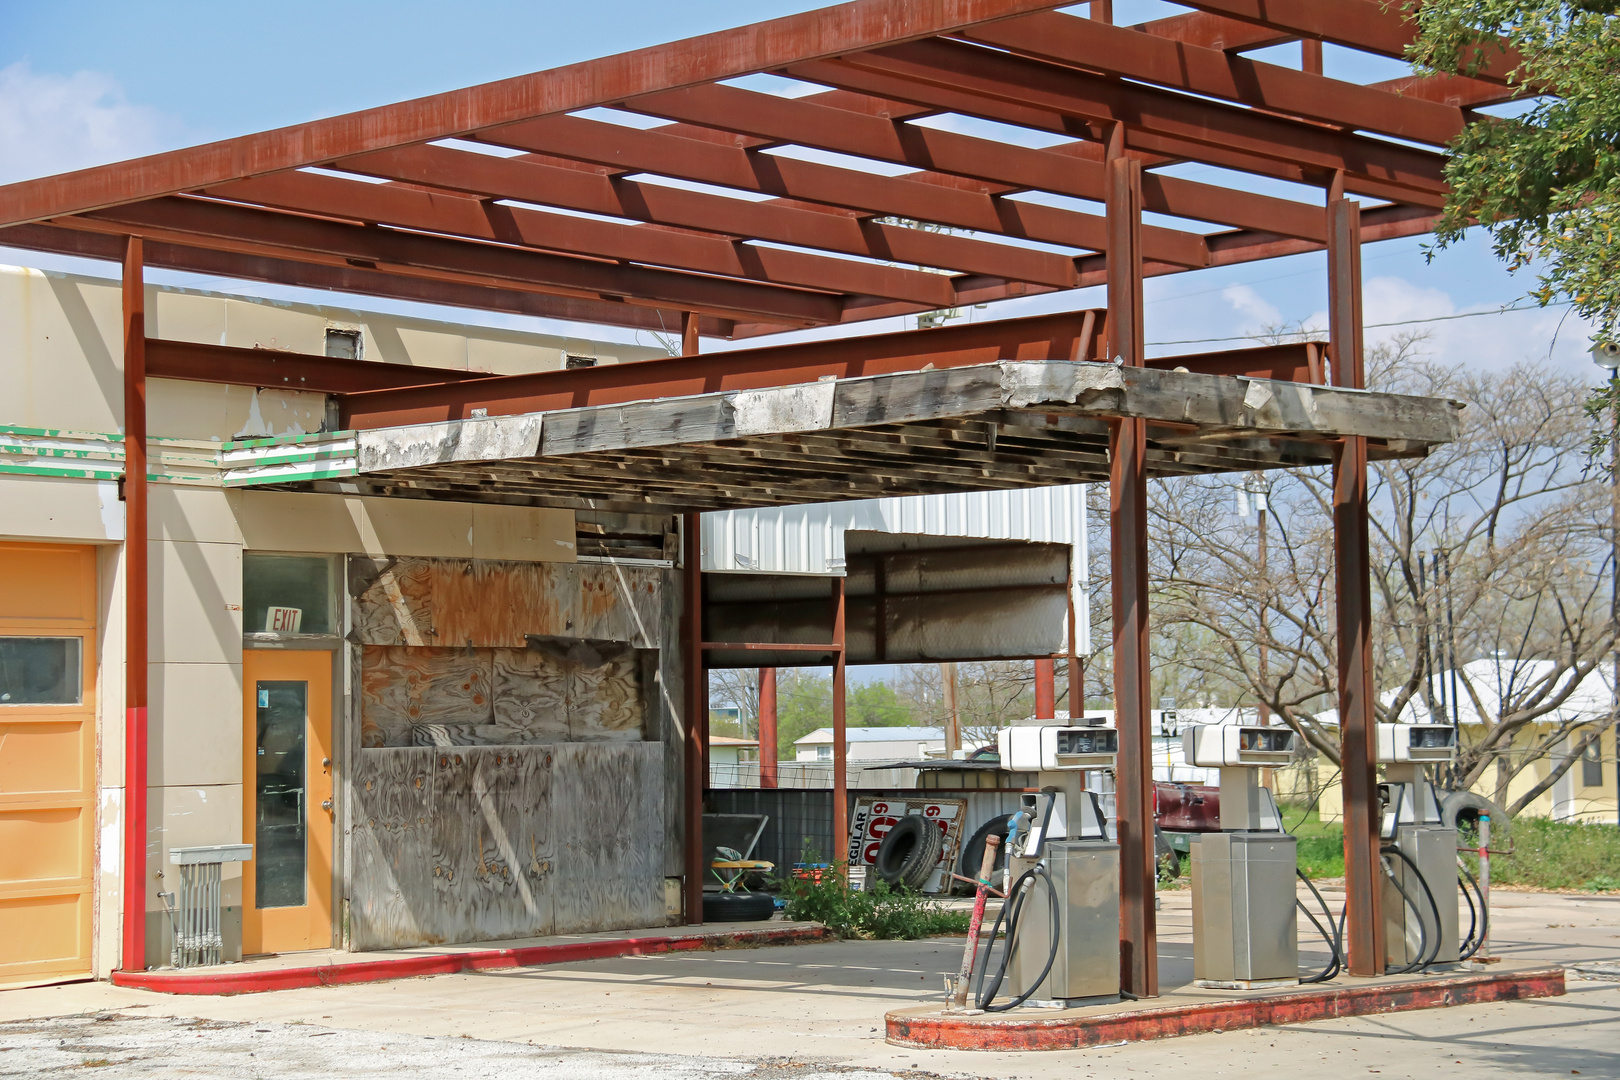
<point>1560,856</point>
<point>877,911</point>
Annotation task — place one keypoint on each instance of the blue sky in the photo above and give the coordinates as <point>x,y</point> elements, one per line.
<point>97,81</point>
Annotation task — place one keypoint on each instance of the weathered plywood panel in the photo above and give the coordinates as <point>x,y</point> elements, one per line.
<point>424,696</point>
<point>487,843</point>
<point>608,807</point>
<point>392,601</point>
<point>500,697</point>
<point>485,604</point>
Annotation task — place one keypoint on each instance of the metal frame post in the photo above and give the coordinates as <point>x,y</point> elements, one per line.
<point>133,957</point>
<point>767,727</point>
<point>1046,690</point>
<point>1138,932</point>
<point>1364,925</point>
<point>697,710</point>
<point>840,731</point>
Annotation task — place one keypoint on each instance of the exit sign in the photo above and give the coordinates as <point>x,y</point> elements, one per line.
<point>283,620</point>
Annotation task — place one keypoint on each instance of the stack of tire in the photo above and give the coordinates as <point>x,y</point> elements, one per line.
<point>909,853</point>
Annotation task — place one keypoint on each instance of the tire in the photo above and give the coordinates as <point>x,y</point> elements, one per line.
<point>973,850</point>
<point>1460,808</point>
<point>738,907</point>
<point>908,853</point>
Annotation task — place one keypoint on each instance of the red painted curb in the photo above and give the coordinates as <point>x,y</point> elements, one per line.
<point>938,1031</point>
<point>410,967</point>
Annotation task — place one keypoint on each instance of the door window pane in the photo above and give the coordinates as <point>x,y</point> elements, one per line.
<point>280,789</point>
<point>287,594</point>
<point>1592,767</point>
<point>40,671</point>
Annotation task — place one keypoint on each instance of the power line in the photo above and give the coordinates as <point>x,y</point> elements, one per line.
<point>1376,326</point>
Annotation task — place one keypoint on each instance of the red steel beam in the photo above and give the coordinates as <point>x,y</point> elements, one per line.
<point>653,151</point>
<point>132,956</point>
<point>454,214</point>
<point>694,749</point>
<point>1369,25</point>
<point>688,158</point>
<point>252,231</point>
<point>1214,32</point>
<point>767,727</point>
<point>1294,362</point>
<point>840,734</point>
<point>198,362</point>
<point>1124,53</point>
<point>1044,108</point>
<point>1127,553</point>
<point>951,157</point>
<point>1194,127</point>
<point>1045,337</point>
<point>355,280</point>
<point>1364,924</point>
<point>727,54</point>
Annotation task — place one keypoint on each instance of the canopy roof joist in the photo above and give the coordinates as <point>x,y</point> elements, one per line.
<point>946,153</point>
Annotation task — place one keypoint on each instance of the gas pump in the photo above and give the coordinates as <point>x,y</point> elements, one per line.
<point>1061,911</point>
<point>1419,852</point>
<point>1245,926</point>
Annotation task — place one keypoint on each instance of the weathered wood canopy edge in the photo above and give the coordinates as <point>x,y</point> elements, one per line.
<point>1000,425</point>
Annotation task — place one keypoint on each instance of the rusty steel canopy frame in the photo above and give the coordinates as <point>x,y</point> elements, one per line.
<point>747,212</point>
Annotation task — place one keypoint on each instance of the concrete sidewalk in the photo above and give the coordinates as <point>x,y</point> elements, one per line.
<point>748,1011</point>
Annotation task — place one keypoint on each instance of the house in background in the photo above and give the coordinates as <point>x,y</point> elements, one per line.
<point>872,743</point>
<point>730,758</point>
<point>1586,791</point>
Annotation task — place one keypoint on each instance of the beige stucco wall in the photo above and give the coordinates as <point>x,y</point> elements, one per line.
<point>61,368</point>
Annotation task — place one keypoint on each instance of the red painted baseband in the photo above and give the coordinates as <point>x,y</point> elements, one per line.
<point>941,1031</point>
<point>226,981</point>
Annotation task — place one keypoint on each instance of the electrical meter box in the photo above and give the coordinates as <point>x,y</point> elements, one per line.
<point>1224,746</point>
<point>1050,748</point>
<point>1400,744</point>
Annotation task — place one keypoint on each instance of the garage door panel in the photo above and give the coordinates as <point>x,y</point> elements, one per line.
<point>47,759</point>
<point>44,933</point>
<point>42,845</point>
<point>43,757</point>
<point>45,583</point>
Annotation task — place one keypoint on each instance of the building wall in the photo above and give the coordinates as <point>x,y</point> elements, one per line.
<point>61,369</point>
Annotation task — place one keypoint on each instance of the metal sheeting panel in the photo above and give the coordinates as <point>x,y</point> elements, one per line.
<point>811,539</point>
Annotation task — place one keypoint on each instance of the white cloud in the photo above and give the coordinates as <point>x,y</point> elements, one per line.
<point>55,123</point>
<point>1248,303</point>
<point>1481,338</point>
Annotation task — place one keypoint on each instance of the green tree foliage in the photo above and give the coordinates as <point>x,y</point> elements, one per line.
<point>1546,183</point>
<point>804,703</point>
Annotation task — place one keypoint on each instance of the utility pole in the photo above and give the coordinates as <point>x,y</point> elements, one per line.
<point>1608,357</point>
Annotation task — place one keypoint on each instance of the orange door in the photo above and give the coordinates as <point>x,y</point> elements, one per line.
<point>287,800</point>
<point>47,759</point>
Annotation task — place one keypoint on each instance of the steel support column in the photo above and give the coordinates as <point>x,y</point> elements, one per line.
<point>133,955</point>
<point>694,757</point>
<point>1046,689</point>
<point>1139,954</point>
<point>767,727</point>
<point>1364,926</point>
<point>840,732</point>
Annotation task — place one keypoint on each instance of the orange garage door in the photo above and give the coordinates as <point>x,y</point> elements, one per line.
<point>47,759</point>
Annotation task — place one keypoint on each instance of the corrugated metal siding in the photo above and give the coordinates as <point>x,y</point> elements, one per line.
<point>810,539</point>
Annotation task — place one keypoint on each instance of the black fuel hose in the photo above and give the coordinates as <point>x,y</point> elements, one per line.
<point>1012,912</point>
<point>1335,941</point>
<point>1427,951</point>
<point>1474,941</point>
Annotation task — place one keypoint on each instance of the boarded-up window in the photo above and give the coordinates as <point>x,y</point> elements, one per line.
<point>550,692</point>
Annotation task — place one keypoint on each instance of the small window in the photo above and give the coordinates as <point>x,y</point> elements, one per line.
<point>579,362</point>
<point>343,344</point>
<point>41,671</point>
<point>287,594</point>
<point>823,753</point>
<point>1592,766</point>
